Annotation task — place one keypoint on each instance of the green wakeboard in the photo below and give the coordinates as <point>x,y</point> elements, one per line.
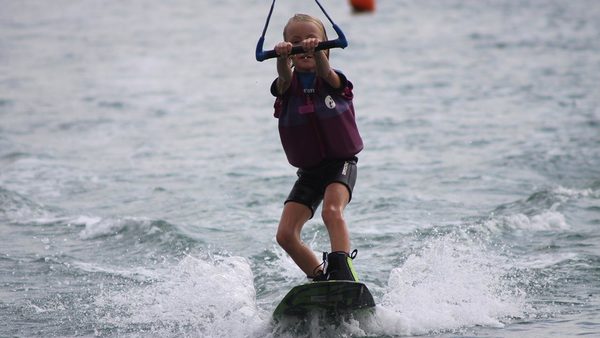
<point>329,297</point>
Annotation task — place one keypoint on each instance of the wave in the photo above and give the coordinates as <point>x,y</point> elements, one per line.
<point>547,220</point>
<point>136,235</point>
<point>209,297</point>
<point>538,212</point>
<point>448,285</point>
<point>550,198</point>
<point>97,227</point>
<point>16,208</point>
<point>130,234</point>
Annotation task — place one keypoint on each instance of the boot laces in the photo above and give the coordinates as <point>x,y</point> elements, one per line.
<point>317,272</point>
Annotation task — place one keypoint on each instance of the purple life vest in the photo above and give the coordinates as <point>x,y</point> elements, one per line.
<point>317,123</point>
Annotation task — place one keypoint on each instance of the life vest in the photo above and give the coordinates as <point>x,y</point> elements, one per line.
<point>317,123</point>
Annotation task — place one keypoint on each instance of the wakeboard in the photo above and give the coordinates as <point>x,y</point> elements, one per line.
<point>328,297</point>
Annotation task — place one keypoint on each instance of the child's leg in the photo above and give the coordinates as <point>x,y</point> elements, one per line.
<point>335,200</point>
<point>339,261</point>
<point>293,217</point>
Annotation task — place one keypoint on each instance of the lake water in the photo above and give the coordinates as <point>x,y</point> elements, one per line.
<point>142,177</point>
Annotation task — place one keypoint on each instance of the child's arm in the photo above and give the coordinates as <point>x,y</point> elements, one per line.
<point>323,70</point>
<point>284,66</point>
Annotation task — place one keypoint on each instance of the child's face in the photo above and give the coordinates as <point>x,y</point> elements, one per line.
<point>297,32</point>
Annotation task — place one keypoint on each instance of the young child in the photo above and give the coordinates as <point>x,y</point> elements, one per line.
<point>319,135</point>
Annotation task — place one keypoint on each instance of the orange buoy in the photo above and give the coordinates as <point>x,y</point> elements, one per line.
<point>363,5</point>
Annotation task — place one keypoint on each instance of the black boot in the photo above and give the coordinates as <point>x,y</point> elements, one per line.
<point>339,266</point>
<point>336,266</point>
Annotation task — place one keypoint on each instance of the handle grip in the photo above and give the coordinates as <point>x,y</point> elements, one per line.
<point>340,42</point>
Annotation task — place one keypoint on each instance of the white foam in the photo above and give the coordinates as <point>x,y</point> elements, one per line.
<point>140,273</point>
<point>208,298</point>
<point>448,286</point>
<point>98,227</point>
<point>87,221</point>
<point>567,193</point>
<point>547,220</point>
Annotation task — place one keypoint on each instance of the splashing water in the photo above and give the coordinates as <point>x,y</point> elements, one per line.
<point>211,297</point>
<point>449,285</point>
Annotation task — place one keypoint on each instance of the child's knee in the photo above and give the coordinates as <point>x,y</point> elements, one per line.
<point>332,215</point>
<point>285,238</point>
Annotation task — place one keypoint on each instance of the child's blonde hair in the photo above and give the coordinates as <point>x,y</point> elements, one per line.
<point>305,18</point>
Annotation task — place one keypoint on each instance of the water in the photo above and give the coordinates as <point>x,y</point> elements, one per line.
<point>142,177</point>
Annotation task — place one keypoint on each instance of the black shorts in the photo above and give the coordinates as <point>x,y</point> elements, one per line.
<point>311,184</point>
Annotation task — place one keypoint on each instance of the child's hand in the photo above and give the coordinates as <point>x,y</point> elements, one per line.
<point>310,44</point>
<point>283,49</point>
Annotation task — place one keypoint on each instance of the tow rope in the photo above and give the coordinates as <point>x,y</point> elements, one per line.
<point>340,42</point>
